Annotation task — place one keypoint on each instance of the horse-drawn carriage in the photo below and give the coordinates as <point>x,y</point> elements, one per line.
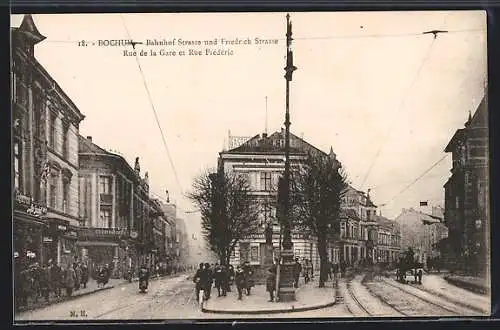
<point>409,266</point>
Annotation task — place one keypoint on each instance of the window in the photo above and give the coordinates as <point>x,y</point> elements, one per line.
<point>52,130</point>
<point>53,191</point>
<point>105,217</point>
<point>342,229</point>
<point>244,252</point>
<point>254,254</point>
<point>105,185</point>
<point>17,165</point>
<point>66,196</point>
<point>265,181</point>
<point>65,147</point>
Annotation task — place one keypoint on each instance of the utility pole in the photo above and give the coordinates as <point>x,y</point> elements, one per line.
<point>286,290</point>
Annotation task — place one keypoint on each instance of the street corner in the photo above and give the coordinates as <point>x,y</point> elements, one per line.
<point>307,298</point>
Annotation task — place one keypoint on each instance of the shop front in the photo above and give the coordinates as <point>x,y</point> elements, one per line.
<point>59,241</point>
<point>28,226</point>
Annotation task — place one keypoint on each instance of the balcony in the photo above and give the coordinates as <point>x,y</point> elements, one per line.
<point>102,234</point>
<point>106,199</point>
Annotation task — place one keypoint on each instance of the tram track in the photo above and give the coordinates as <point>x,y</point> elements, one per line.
<point>416,306</point>
<point>445,303</point>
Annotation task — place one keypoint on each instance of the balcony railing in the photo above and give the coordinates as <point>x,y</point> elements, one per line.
<point>101,234</point>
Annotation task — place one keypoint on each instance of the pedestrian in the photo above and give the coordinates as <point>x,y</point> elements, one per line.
<point>297,269</point>
<point>70,278</point>
<point>207,280</point>
<point>249,282</point>
<point>197,279</point>
<point>230,278</point>
<point>85,274</point>
<point>271,282</point>
<point>224,279</point>
<point>239,277</point>
<point>218,278</point>
<point>45,282</point>
<point>78,273</point>
<point>55,277</point>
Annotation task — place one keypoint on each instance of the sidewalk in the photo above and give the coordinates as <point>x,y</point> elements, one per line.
<point>471,283</point>
<point>91,288</point>
<point>308,297</point>
<point>441,287</point>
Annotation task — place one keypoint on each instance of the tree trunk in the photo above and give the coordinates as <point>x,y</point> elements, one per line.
<point>323,259</point>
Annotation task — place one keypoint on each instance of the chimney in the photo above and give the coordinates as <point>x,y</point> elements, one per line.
<point>264,135</point>
<point>89,138</point>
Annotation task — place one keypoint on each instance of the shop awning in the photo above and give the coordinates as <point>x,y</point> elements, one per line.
<point>23,217</point>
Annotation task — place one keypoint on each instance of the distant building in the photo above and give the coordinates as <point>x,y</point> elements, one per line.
<point>182,242</point>
<point>467,192</point>
<point>115,208</point>
<point>422,231</point>
<point>45,124</point>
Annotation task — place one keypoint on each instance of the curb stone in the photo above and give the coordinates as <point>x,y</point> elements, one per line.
<point>65,299</point>
<point>274,311</point>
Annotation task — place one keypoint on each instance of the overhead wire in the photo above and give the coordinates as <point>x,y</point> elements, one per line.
<point>403,101</point>
<point>417,179</point>
<point>400,108</point>
<point>154,109</point>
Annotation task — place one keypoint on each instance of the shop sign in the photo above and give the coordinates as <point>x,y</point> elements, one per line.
<point>36,210</point>
<point>61,228</point>
<point>22,199</point>
<point>47,239</point>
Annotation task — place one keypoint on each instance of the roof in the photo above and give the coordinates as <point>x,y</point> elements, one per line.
<point>383,221</point>
<point>29,28</point>
<point>478,121</point>
<point>87,146</point>
<point>273,144</point>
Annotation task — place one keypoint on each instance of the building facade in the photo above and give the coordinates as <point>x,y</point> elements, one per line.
<point>261,159</point>
<point>422,231</point>
<point>117,218</point>
<point>467,193</point>
<point>45,155</point>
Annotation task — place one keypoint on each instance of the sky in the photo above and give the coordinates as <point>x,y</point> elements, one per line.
<point>384,96</point>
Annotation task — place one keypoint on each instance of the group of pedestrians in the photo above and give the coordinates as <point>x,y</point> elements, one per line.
<point>37,281</point>
<point>222,277</point>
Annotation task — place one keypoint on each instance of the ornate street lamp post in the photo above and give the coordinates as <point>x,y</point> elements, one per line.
<point>286,290</point>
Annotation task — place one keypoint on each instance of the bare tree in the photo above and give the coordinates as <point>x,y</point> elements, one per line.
<point>228,210</point>
<point>316,195</point>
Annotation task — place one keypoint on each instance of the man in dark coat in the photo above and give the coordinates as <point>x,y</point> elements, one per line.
<point>85,274</point>
<point>197,279</point>
<point>56,278</point>
<point>207,279</point>
<point>218,278</point>
<point>247,269</point>
<point>224,279</point>
<point>271,282</point>
<point>239,277</point>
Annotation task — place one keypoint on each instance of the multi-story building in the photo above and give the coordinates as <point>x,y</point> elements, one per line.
<point>261,159</point>
<point>171,244</point>
<point>45,155</point>
<point>115,209</point>
<point>422,231</point>
<point>388,240</point>
<point>467,192</point>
